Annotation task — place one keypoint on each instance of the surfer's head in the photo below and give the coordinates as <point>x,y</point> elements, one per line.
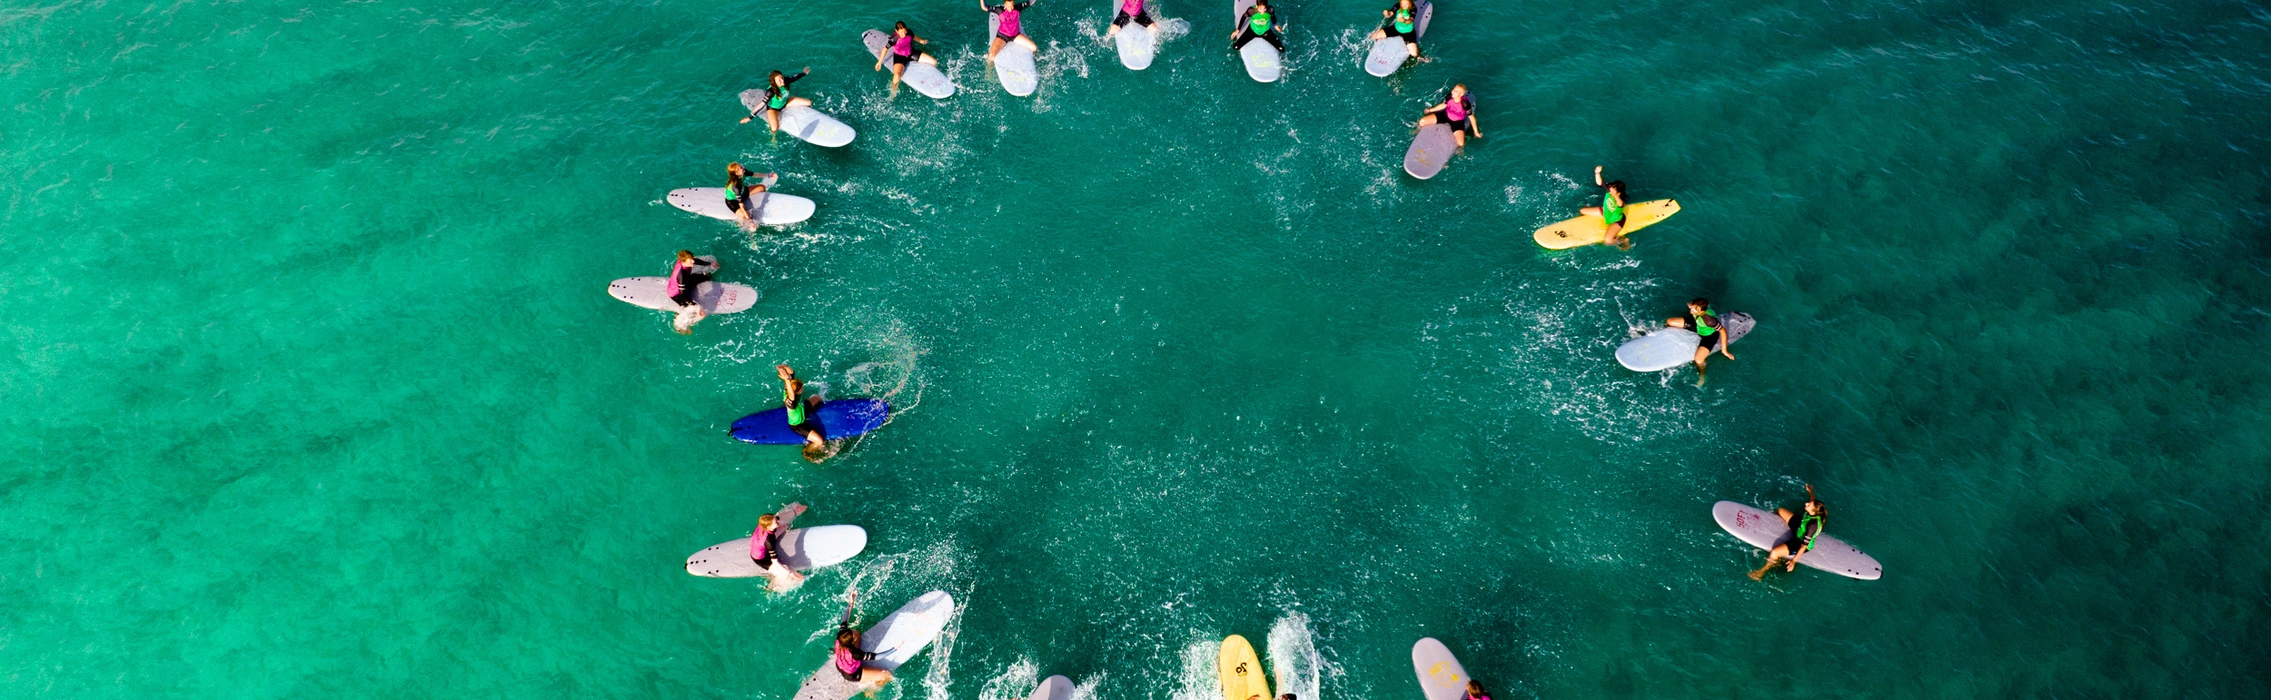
<point>1814,507</point>
<point>735,169</point>
<point>1474,690</point>
<point>778,79</point>
<point>848,638</point>
<point>1697,304</point>
<point>685,256</point>
<point>899,28</point>
<point>1459,90</point>
<point>767,521</point>
<point>1617,186</point>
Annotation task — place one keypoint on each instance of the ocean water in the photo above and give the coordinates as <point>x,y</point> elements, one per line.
<point>313,390</point>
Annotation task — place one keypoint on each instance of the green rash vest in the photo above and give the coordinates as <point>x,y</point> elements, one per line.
<point>1612,207</point>
<point>1704,330</point>
<point>1403,20</point>
<point>1802,538</point>
<point>1259,24</point>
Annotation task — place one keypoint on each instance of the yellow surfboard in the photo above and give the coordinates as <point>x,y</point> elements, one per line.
<point>1587,230</point>
<point>1242,677</point>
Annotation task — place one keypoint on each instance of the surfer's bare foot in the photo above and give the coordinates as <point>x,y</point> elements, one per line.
<point>1624,244</point>
<point>1759,575</point>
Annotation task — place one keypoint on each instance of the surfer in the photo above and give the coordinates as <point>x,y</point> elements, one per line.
<point>1705,322</point>
<point>1008,29</point>
<point>1474,691</point>
<point>738,192</point>
<point>1400,21</point>
<point>1257,23</point>
<point>901,51</point>
<point>1803,530</point>
<point>1611,210</point>
<point>1130,11</point>
<point>800,418</point>
<point>686,277</point>
<point>849,659</point>
<point>777,98</point>
<point>765,549</point>
<point>1458,110</point>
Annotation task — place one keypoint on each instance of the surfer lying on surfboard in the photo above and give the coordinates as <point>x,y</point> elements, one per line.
<point>1611,210</point>
<point>1130,11</point>
<point>777,98</point>
<point>765,549</point>
<point>1803,530</point>
<point>1456,109</point>
<point>800,408</point>
<point>848,659</point>
<point>1258,23</point>
<point>1399,22</point>
<point>902,51</point>
<point>686,276</point>
<point>1705,322</point>
<point>1008,29</point>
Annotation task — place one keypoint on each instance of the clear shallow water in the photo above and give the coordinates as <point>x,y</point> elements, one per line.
<point>314,390</point>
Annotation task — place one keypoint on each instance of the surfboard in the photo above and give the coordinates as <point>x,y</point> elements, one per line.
<point>1133,40</point>
<point>1588,230</point>
<point>1430,150</point>
<point>841,418</point>
<point>1763,529</point>
<point>923,77</point>
<point>715,297</point>
<point>802,549</point>
<point>1440,675</point>
<point>1013,66</point>
<point>1659,350</point>
<point>1261,58</point>
<point>895,640</point>
<point>1055,688</point>
<point>805,123</point>
<point>1389,54</point>
<point>773,208</point>
<point>1241,670</point>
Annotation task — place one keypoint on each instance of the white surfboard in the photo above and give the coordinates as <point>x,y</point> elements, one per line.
<point>1671,347</point>
<point>1014,64</point>
<point>1261,58</point>
<point>1134,41</point>
<point>773,208</point>
<point>1390,53</point>
<point>715,297</point>
<point>1431,149</point>
<point>923,77</point>
<point>805,123</point>
<point>894,641</point>
<point>802,549</point>
<point>1763,529</point>
<point>1660,350</point>
<point>1054,688</point>
<point>1440,675</point>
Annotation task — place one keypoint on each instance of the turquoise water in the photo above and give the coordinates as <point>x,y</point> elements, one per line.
<point>314,390</point>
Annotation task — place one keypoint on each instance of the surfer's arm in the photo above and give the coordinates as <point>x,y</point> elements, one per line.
<point>1597,177</point>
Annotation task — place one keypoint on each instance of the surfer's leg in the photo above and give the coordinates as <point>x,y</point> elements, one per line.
<point>773,119</point>
<point>1590,211</point>
<point>993,48</point>
<point>1273,39</point>
<point>1027,42</point>
<point>1427,120</point>
<point>928,60</point>
<point>799,102</point>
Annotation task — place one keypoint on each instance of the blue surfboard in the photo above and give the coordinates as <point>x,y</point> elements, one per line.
<point>837,419</point>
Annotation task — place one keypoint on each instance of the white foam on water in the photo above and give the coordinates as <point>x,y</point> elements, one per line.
<point>1013,683</point>
<point>1201,678</point>
<point>1295,665</point>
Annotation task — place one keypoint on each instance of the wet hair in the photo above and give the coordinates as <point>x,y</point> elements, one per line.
<point>897,27</point>
<point>1289,696</point>
<point>848,637</point>
<point>685,255</point>
<point>1475,688</point>
<point>1699,301</point>
<point>766,521</point>
<point>1617,185</point>
<point>776,76</point>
